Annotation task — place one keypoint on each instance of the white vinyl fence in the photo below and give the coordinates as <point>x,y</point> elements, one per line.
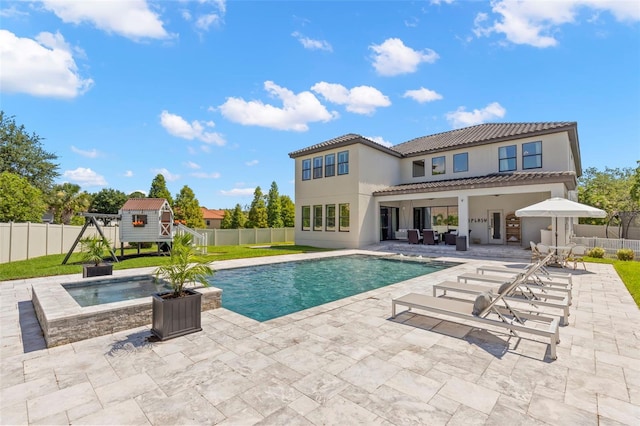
<point>610,245</point>
<point>20,241</point>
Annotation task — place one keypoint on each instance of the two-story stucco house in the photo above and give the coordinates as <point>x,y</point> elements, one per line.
<point>352,192</point>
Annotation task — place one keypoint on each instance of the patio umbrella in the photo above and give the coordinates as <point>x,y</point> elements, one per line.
<point>559,207</point>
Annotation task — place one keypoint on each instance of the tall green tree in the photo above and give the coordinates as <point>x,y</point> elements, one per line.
<point>66,200</point>
<point>107,201</point>
<point>159,189</point>
<point>635,185</point>
<point>288,211</point>
<point>258,211</point>
<point>238,218</point>
<point>227,219</point>
<point>21,201</point>
<point>187,208</point>
<point>274,208</point>
<point>22,153</point>
<point>610,190</point>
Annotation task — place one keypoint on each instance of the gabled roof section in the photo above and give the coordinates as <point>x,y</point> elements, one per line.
<point>493,180</point>
<point>480,135</point>
<point>212,214</point>
<point>144,204</point>
<point>344,140</point>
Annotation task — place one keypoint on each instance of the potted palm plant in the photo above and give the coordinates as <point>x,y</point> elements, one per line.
<point>93,249</point>
<point>178,312</point>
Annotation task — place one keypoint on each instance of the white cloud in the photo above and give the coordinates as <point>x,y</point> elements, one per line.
<point>192,165</point>
<point>251,163</point>
<point>461,118</point>
<point>536,22</point>
<point>12,12</point>
<point>178,126</point>
<point>132,19</point>
<point>85,177</point>
<point>297,110</point>
<point>203,175</point>
<point>89,154</point>
<point>392,57</point>
<point>312,44</point>
<point>128,173</point>
<point>167,174</point>
<point>41,67</point>
<point>438,2</point>
<point>205,21</point>
<point>359,100</point>
<point>422,95</point>
<point>239,192</point>
<point>379,140</point>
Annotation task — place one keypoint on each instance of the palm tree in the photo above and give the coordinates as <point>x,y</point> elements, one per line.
<point>184,267</point>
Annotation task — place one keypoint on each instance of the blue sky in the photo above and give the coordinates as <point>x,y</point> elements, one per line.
<point>215,94</point>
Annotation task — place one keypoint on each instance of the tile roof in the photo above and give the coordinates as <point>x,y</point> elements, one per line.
<point>344,140</point>
<point>474,135</point>
<point>144,204</point>
<point>478,135</point>
<point>487,181</point>
<point>212,214</point>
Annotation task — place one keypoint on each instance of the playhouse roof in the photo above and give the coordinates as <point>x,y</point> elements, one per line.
<point>144,204</point>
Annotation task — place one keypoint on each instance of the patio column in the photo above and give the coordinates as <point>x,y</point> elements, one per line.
<point>463,217</point>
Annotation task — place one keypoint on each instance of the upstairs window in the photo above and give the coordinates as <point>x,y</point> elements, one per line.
<point>329,165</point>
<point>437,166</point>
<point>306,218</point>
<point>343,163</point>
<point>507,157</point>
<point>306,169</point>
<point>461,162</point>
<point>317,167</point>
<point>532,155</point>
<point>418,168</point>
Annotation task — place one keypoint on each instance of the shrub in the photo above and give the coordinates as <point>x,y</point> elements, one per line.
<point>597,252</point>
<point>625,254</point>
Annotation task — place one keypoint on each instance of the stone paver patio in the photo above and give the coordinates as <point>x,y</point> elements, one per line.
<point>346,362</point>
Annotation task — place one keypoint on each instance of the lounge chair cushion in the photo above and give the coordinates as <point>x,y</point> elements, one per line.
<point>482,302</point>
<point>504,287</point>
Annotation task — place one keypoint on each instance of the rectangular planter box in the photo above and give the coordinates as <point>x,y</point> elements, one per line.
<point>96,271</point>
<point>176,317</point>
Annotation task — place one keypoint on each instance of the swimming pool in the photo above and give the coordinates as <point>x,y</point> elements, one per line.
<point>270,291</point>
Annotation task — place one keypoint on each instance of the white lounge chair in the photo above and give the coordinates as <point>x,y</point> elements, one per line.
<point>518,295</point>
<point>496,312</point>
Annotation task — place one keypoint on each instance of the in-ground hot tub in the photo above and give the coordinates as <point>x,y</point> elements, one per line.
<point>64,320</point>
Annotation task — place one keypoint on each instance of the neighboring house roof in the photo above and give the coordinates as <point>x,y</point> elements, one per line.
<point>212,214</point>
<point>144,204</point>
<point>469,136</point>
<point>492,180</point>
<point>340,141</point>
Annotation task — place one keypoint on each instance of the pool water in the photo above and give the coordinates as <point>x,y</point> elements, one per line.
<point>270,291</point>
<point>115,289</point>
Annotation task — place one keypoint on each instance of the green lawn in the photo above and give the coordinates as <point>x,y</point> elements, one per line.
<point>46,266</point>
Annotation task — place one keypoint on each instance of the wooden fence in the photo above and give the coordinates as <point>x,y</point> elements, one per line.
<point>20,241</point>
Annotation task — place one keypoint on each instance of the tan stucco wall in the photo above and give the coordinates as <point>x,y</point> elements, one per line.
<point>369,170</point>
<point>483,159</point>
